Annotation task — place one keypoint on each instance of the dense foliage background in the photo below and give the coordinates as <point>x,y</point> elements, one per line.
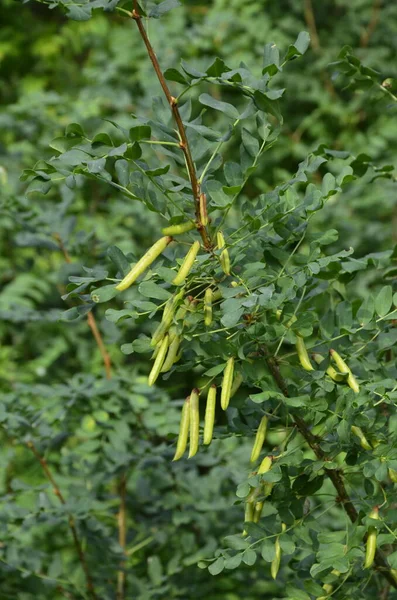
<point>109,440</point>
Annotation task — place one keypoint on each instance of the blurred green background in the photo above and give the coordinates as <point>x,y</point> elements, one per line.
<point>55,71</point>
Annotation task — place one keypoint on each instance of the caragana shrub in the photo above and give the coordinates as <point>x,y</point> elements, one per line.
<point>238,291</point>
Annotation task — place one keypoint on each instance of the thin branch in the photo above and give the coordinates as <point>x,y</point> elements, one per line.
<point>335,475</point>
<point>122,526</point>
<point>366,33</point>
<point>184,143</point>
<point>76,539</point>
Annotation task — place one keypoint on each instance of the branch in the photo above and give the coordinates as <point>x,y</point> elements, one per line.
<point>77,543</point>
<point>184,143</point>
<point>335,475</point>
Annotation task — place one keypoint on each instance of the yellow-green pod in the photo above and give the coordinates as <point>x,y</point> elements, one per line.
<point>171,354</point>
<point>179,229</point>
<point>342,366</point>
<point>259,439</point>
<point>237,381</point>
<point>182,310</point>
<point>265,465</point>
<point>227,383</point>
<point>276,560</point>
<point>220,240</point>
<point>183,431</point>
<point>156,350</point>
<point>216,295</point>
<point>363,440</point>
<point>144,262</point>
<point>160,332</point>
<point>158,363</point>
<point>225,261</point>
<point>187,264</point>
<point>203,210</point>
<point>248,514</point>
<point>338,377</point>
<point>194,423</point>
<point>209,418</point>
<point>258,511</point>
<point>302,354</point>
<point>234,284</point>
<point>393,573</point>
<point>371,540</point>
<point>328,588</point>
<point>208,307</point>
<point>289,322</point>
<point>392,474</point>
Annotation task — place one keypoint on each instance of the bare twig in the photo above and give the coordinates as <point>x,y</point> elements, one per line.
<point>366,33</point>
<point>73,529</point>
<point>335,475</point>
<point>184,143</point>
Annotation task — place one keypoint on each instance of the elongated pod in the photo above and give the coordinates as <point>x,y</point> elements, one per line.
<point>338,377</point>
<point>158,363</point>
<point>237,381</point>
<point>171,354</point>
<point>363,440</point>
<point>203,210</point>
<point>259,439</point>
<point>227,383</point>
<point>144,262</point>
<point>276,560</point>
<point>194,423</point>
<point>220,240</point>
<point>178,229</point>
<point>248,514</point>
<point>208,307</point>
<point>209,418</point>
<point>302,354</point>
<point>225,261</point>
<point>370,548</point>
<point>187,264</point>
<point>342,366</point>
<point>183,430</point>
<point>265,465</point>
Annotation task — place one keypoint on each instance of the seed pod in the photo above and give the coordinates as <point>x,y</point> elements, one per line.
<point>363,440</point>
<point>276,560</point>
<point>216,295</point>
<point>338,377</point>
<point>328,588</point>
<point>220,240</point>
<point>182,310</point>
<point>265,465</point>
<point>302,354</point>
<point>209,415</point>
<point>371,540</point>
<point>203,210</point>
<point>225,261</point>
<point>259,439</point>
<point>342,366</point>
<point>258,511</point>
<point>160,332</point>
<point>289,322</point>
<point>156,350</point>
<point>392,474</point>
<point>208,307</point>
<point>178,229</point>
<point>194,423</point>
<point>227,383</point>
<point>248,514</point>
<point>144,262</point>
<point>187,264</point>
<point>237,381</point>
<point>171,354</point>
<point>183,430</point>
<point>158,363</point>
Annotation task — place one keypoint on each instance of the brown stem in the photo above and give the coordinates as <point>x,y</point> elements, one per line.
<point>122,526</point>
<point>184,143</point>
<point>77,543</point>
<point>335,475</point>
<point>98,338</point>
<point>366,34</point>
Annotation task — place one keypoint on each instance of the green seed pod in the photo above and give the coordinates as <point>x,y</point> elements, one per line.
<point>328,588</point>
<point>371,540</point>
<point>227,383</point>
<point>158,363</point>
<point>276,560</point>
<point>144,263</point>
<point>208,307</point>
<point>258,511</point>
<point>183,431</point>
<point>187,264</point>
<point>225,261</point>
<point>209,418</point>
<point>248,514</point>
<point>237,381</point>
<point>171,354</point>
<point>259,439</point>
<point>178,229</point>
<point>342,366</point>
<point>392,474</point>
<point>234,284</point>
<point>194,423</point>
<point>302,354</point>
<point>220,240</point>
<point>160,332</point>
<point>265,465</point>
<point>338,377</point>
<point>216,295</point>
<point>363,440</point>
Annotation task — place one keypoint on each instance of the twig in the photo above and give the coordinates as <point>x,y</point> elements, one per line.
<point>366,33</point>
<point>335,475</point>
<point>77,543</point>
<point>122,526</point>
<point>184,143</point>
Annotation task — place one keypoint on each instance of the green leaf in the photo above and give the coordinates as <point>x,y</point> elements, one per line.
<point>175,75</point>
<point>271,59</point>
<point>383,300</point>
<point>140,132</point>
<point>249,557</point>
<point>294,593</point>
<point>217,567</point>
<point>268,550</point>
<point>152,290</point>
<point>299,47</point>
<point>162,8</point>
<point>119,259</point>
<point>104,293</point>
<point>228,109</point>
